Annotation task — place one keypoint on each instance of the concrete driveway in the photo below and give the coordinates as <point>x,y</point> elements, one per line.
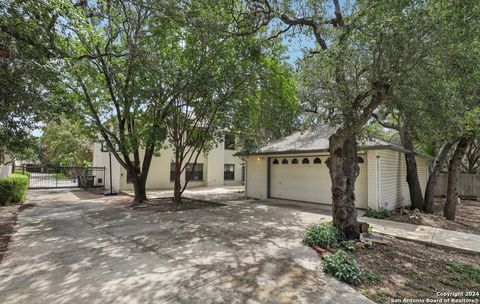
<point>68,250</point>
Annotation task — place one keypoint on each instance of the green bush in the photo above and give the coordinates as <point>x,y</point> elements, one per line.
<point>21,172</point>
<point>13,189</point>
<point>323,235</point>
<point>342,267</point>
<point>379,214</point>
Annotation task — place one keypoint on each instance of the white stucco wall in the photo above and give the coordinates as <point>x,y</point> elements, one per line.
<point>101,159</point>
<point>159,174</point>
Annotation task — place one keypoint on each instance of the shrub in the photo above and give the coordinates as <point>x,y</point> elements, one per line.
<point>379,214</point>
<point>13,189</point>
<point>342,267</point>
<point>323,235</point>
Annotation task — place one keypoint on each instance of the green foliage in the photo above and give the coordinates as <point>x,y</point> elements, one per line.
<point>371,276</point>
<point>21,172</point>
<point>346,245</point>
<point>379,214</point>
<point>66,143</point>
<point>13,189</point>
<point>323,235</point>
<point>342,267</point>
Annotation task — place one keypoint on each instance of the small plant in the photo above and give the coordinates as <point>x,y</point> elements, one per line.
<point>371,276</point>
<point>379,214</point>
<point>347,246</point>
<point>323,235</point>
<point>342,267</point>
<point>469,270</point>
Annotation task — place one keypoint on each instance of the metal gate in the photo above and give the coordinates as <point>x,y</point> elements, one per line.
<point>47,177</point>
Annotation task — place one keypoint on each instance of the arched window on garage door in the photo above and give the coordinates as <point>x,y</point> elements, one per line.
<point>275,161</point>
<point>317,160</point>
<point>284,161</point>
<point>294,161</point>
<point>305,161</point>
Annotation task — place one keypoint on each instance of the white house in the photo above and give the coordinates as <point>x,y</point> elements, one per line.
<point>220,167</point>
<point>294,168</point>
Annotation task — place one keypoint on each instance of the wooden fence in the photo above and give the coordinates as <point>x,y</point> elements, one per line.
<point>468,185</point>
<point>5,171</point>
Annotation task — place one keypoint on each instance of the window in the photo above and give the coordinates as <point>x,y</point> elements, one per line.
<point>317,160</point>
<point>360,160</point>
<point>294,161</point>
<point>196,175</point>
<point>228,172</point>
<point>284,161</point>
<point>229,141</point>
<point>305,161</point>
<point>275,161</point>
<point>172,172</point>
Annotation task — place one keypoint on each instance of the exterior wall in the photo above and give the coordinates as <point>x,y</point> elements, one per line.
<point>101,159</point>
<point>381,183</point>
<point>159,174</point>
<point>393,186</point>
<point>256,181</point>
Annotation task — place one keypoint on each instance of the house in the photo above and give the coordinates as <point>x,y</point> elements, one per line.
<point>294,168</point>
<point>218,168</point>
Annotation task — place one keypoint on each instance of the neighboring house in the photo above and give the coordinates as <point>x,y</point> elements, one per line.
<point>219,168</point>
<point>294,168</point>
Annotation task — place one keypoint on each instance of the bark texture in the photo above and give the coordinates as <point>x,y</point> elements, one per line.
<point>414,188</point>
<point>453,172</point>
<point>433,178</point>
<point>344,170</point>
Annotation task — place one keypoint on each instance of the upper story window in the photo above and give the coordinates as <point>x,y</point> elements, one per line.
<point>305,161</point>
<point>317,160</point>
<point>229,141</point>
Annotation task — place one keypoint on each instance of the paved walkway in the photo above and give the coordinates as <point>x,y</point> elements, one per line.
<point>68,250</point>
<point>425,234</point>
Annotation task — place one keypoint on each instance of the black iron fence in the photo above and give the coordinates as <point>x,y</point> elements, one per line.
<point>44,177</point>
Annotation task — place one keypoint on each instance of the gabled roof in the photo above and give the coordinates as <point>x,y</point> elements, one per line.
<point>316,140</point>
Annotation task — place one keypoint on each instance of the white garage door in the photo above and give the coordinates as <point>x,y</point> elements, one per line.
<point>307,179</point>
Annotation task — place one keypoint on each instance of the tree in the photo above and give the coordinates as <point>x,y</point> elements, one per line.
<point>362,53</point>
<point>472,158</point>
<point>67,143</point>
<point>26,78</point>
<point>270,109</point>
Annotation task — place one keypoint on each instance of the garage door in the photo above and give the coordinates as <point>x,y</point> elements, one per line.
<point>307,179</point>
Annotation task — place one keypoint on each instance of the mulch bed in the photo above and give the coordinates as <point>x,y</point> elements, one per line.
<point>405,269</point>
<point>467,217</point>
<point>165,204</point>
<point>8,221</point>
<point>168,205</point>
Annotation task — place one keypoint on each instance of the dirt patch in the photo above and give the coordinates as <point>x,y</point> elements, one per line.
<point>8,220</point>
<point>167,205</point>
<point>467,217</point>
<point>405,269</point>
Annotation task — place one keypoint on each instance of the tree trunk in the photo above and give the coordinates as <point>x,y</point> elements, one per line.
<point>139,186</point>
<point>414,187</point>
<point>177,188</point>
<point>343,167</point>
<point>433,178</point>
<point>453,172</point>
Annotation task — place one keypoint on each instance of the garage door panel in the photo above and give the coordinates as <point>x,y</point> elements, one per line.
<point>309,182</point>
